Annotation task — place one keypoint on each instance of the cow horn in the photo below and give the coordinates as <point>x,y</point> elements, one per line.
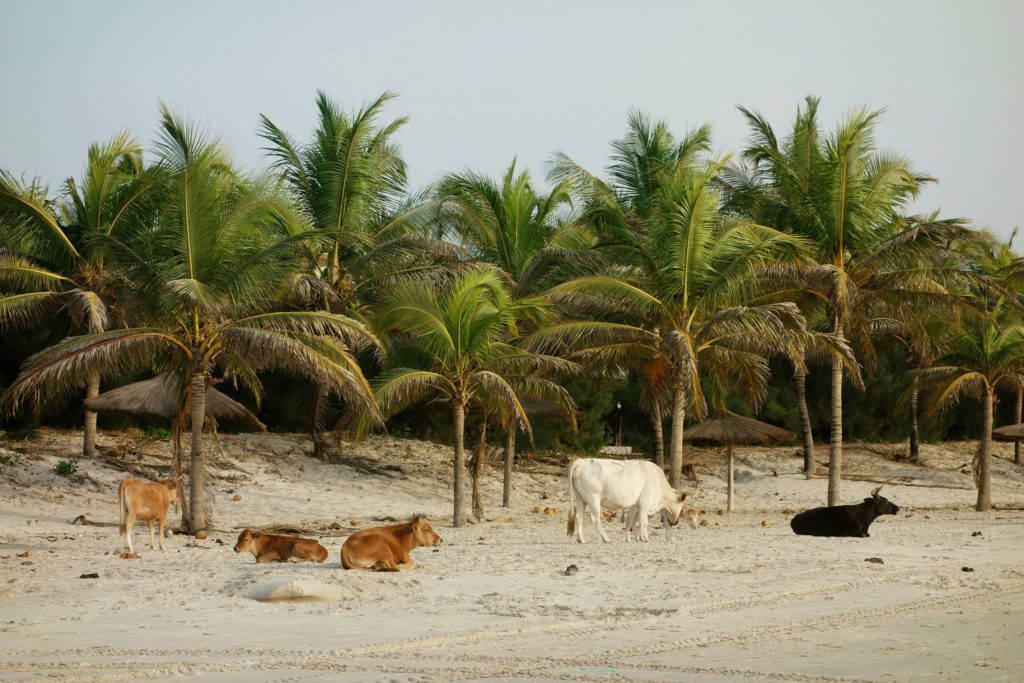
<point>874,494</point>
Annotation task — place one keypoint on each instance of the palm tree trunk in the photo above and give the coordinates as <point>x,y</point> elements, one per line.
<point>984,464</point>
<point>676,456</point>
<point>478,465</point>
<point>198,511</point>
<point>800,375</point>
<point>459,415</point>
<point>316,414</point>
<point>835,447</point>
<point>915,444</point>
<point>1016,444</point>
<point>92,390</point>
<point>510,454</point>
<point>180,468</point>
<point>659,435</point>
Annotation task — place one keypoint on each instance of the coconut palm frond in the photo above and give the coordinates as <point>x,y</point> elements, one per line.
<point>87,310</point>
<point>948,385</point>
<point>30,224</point>
<point>20,274</point>
<point>55,372</point>
<point>323,360</point>
<point>731,371</point>
<point>561,338</point>
<point>356,334</point>
<point>21,311</point>
<point>399,388</point>
<point>616,292</point>
<point>507,358</point>
<point>498,390</point>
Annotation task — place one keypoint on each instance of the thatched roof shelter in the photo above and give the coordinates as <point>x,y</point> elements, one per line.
<point>160,396</point>
<point>729,428</point>
<point>1009,433</point>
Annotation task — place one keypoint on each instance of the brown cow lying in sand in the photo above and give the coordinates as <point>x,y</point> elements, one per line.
<point>146,502</point>
<point>386,548</point>
<point>273,548</point>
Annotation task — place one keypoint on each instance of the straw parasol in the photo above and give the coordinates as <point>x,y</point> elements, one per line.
<point>160,396</point>
<point>729,428</point>
<point>1009,433</point>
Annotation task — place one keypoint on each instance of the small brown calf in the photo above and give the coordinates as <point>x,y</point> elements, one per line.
<point>273,548</point>
<point>146,502</point>
<point>386,548</point>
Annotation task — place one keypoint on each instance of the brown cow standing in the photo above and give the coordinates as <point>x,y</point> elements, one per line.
<point>146,502</point>
<point>273,548</point>
<point>386,548</point>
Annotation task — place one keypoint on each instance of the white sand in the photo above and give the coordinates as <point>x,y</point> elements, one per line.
<point>733,600</point>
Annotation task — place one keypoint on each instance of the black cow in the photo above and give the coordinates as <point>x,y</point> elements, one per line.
<point>843,520</point>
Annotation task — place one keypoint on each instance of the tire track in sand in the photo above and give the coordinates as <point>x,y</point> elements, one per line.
<point>475,664</point>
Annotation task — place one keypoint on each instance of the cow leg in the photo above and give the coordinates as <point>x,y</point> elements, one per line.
<point>405,561</point>
<point>579,507</point>
<point>630,516</point>
<point>595,514</point>
<point>152,545</point>
<point>129,532</point>
<point>668,527</point>
<point>162,517</point>
<point>643,526</point>
<point>384,566</point>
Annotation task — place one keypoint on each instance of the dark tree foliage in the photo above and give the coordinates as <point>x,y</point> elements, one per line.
<point>875,414</point>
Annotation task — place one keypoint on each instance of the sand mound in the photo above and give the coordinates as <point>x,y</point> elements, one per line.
<point>293,589</point>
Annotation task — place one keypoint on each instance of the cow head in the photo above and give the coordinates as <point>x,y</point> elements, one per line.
<point>674,510</point>
<point>423,533</point>
<point>173,491</point>
<point>883,506</point>
<point>245,539</point>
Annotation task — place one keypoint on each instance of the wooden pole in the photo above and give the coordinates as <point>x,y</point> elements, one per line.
<point>729,504</point>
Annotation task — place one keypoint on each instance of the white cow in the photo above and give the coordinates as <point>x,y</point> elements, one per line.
<point>638,485</point>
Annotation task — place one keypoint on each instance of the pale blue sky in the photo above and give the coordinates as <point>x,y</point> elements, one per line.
<point>483,82</point>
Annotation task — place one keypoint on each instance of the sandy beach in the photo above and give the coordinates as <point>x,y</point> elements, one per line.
<point>741,598</point>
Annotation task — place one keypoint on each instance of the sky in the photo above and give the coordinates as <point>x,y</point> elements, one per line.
<point>486,82</point>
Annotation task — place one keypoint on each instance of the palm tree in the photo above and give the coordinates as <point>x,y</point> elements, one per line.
<point>680,280</point>
<point>522,233</point>
<point>847,198</point>
<point>984,358</point>
<point>50,261</point>
<point>206,277</point>
<point>450,342</point>
<point>998,260</point>
<point>350,183</point>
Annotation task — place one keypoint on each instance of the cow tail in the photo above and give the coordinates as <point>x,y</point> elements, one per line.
<point>570,528</point>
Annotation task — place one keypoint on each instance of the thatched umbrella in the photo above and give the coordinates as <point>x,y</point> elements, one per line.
<point>160,396</point>
<point>1009,433</point>
<point>729,428</point>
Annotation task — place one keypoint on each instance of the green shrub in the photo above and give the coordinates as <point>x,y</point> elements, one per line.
<point>155,433</point>
<point>66,468</point>
<point>6,459</point>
